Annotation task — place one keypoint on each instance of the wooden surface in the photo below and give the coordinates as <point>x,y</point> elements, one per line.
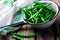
<point>42,34</point>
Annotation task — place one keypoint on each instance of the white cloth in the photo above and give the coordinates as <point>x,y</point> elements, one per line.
<point>8,8</point>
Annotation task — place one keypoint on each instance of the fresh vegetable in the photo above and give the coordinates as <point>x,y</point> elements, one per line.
<point>24,35</point>
<point>39,12</point>
<point>21,36</point>
<point>17,38</point>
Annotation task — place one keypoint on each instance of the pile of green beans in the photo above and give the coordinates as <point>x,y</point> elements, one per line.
<point>38,12</point>
<point>21,36</point>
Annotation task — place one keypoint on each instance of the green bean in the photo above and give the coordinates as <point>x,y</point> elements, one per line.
<point>35,14</point>
<point>37,3</point>
<point>42,19</point>
<point>32,20</point>
<point>16,37</point>
<point>30,7</point>
<point>25,35</point>
<point>34,10</point>
<point>47,5</point>
<point>24,11</point>
<point>36,20</point>
<point>30,12</point>
<point>48,16</point>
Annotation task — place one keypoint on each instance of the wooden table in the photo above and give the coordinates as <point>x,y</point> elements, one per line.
<point>42,34</point>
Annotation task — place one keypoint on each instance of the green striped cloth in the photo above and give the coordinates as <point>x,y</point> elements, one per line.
<point>7,2</point>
